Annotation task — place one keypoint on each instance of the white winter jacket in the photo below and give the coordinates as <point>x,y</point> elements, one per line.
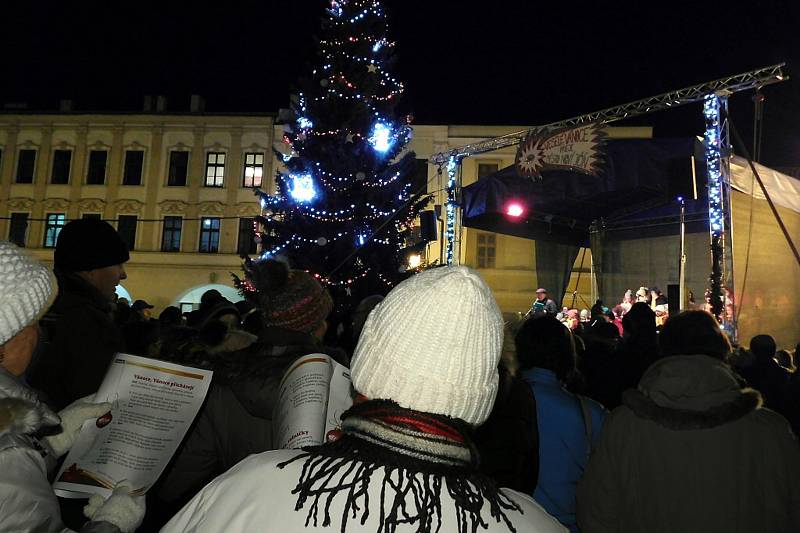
<point>256,495</point>
<point>27,501</point>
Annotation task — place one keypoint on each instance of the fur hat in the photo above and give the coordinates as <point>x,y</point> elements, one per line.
<point>88,244</point>
<point>433,345</point>
<point>27,288</point>
<point>290,299</point>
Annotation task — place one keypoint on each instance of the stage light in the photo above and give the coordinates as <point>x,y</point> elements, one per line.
<point>515,209</point>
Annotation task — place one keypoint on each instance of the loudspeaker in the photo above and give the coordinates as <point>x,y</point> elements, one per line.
<point>427,226</point>
<point>674,299</point>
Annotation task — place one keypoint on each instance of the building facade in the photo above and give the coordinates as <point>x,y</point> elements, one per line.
<point>180,190</point>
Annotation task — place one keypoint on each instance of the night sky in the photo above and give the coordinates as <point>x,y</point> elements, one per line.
<point>500,62</point>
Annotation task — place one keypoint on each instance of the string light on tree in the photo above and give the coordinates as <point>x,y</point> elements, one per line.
<point>344,209</point>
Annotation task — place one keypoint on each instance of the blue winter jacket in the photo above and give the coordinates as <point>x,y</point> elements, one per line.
<point>563,447</point>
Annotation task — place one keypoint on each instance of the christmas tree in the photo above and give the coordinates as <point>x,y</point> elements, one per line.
<point>344,208</point>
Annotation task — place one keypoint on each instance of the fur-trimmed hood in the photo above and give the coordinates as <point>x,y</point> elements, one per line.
<point>689,392</point>
<point>21,412</point>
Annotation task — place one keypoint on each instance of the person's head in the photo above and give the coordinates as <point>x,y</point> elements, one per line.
<point>209,298</point>
<point>144,309</point>
<point>291,299</point>
<point>27,288</point>
<point>544,342</point>
<point>785,359</point>
<point>412,353</point>
<point>763,346</point>
<point>251,318</point>
<point>585,316</point>
<point>628,296</point>
<point>655,292</point>
<point>362,311</point>
<point>170,316</point>
<point>639,321</point>
<point>642,294</point>
<point>93,250</point>
<point>693,333</point>
<point>541,294</point>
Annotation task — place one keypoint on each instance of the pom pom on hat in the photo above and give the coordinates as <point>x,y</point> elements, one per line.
<point>89,244</point>
<point>291,299</point>
<point>433,345</point>
<point>27,288</point>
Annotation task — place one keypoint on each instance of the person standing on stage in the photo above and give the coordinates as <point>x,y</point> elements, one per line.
<point>543,305</point>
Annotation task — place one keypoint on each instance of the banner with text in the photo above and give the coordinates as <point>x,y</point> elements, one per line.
<point>578,149</point>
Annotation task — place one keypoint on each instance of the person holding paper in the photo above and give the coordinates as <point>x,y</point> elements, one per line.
<point>405,460</point>
<point>236,420</point>
<point>27,502</point>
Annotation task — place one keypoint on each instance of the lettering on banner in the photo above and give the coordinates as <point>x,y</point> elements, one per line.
<point>577,149</point>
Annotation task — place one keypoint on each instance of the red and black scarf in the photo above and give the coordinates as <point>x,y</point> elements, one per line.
<point>414,456</point>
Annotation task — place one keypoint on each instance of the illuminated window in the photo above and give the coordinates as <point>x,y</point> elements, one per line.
<point>209,235</point>
<point>55,221</point>
<point>487,249</point>
<point>215,169</point>
<point>253,170</point>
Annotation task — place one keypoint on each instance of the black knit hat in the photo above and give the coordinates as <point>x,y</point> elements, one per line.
<point>88,244</point>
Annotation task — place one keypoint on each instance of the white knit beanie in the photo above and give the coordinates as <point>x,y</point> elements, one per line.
<point>27,288</point>
<point>433,345</point>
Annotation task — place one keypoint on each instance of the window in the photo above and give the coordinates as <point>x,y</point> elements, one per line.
<point>253,170</point>
<point>487,169</point>
<point>209,235</point>
<point>171,235</point>
<point>247,244</point>
<point>487,246</point>
<point>25,166</point>
<point>97,167</point>
<point>132,174</point>
<point>95,216</point>
<point>19,229</point>
<point>126,227</point>
<point>55,221</point>
<point>178,166</point>
<point>61,161</point>
<point>215,169</point>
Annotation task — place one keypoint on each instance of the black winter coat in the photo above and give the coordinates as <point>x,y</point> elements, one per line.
<point>80,338</point>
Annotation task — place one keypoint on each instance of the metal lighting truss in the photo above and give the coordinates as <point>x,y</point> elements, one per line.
<point>721,87</point>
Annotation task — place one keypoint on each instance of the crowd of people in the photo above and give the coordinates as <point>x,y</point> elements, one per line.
<point>460,422</point>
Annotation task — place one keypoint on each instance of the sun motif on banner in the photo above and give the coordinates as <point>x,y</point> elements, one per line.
<point>530,157</point>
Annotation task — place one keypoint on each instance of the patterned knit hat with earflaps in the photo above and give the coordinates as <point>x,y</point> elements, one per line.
<point>27,288</point>
<point>433,345</point>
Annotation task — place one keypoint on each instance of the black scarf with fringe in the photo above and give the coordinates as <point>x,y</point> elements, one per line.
<point>412,455</point>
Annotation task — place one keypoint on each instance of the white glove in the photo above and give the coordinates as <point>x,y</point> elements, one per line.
<point>72,418</point>
<point>121,509</point>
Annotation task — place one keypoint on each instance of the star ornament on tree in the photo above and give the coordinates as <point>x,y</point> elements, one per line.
<point>372,68</point>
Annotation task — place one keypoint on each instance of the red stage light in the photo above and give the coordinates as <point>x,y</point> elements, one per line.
<point>515,209</point>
